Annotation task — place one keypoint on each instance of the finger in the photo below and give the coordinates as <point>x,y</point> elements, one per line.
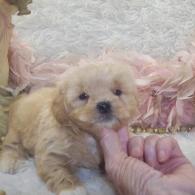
<point>110,144</point>
<point>136,147</point>
<point>121,169</point>
<point>150,156</point>
<point>167,147</point>
<point>123,137</point>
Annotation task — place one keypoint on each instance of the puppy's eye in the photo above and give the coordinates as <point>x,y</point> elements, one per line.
<point>118,92</point>
<point>83,96</point>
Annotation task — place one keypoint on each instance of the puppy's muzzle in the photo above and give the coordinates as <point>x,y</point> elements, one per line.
<point>104,107</point>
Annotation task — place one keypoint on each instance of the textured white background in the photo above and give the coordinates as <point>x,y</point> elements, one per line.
<point>156,27</point>
<point>58,27</point>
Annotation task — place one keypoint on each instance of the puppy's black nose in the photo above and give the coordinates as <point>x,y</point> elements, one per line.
<point>104,107</point>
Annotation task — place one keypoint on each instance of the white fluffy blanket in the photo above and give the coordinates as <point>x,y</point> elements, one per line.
<point>59,27</point>
<point>155,27</point>
<point>26,182</point>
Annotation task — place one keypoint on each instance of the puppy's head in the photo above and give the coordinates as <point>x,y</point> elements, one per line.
<point>97,96</point>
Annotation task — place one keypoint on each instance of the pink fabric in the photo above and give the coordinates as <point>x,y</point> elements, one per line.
<point>166,89</point>
<point>27,69</point>
<point>21,60</point>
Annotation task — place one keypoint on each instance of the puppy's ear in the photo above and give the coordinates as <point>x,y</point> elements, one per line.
<point>59,109</point>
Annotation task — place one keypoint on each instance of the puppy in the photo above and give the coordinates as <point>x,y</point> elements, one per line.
<point>57,125</point>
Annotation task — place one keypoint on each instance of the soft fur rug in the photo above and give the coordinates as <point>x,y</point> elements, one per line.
<point>64,27</point>
<point>155,27</point>
<point>26,182</point>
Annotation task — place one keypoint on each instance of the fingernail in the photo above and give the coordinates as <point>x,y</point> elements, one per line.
<point>123,134</point>
<point>162,156</point>
<point>151,156</point>
<point>123,129</point>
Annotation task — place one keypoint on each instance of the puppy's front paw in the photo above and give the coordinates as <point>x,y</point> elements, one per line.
<point>80,190</point>
<point>10,165</point>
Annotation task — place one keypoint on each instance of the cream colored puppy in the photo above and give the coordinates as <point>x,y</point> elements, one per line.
<point>58,125</point>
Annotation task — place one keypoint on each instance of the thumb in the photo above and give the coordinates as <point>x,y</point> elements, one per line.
<point>110,144</point>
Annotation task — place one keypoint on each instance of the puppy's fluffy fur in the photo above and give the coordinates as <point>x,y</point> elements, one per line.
<point>56,125</point>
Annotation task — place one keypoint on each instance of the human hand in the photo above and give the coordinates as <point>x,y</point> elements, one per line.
<point>146,166</point>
